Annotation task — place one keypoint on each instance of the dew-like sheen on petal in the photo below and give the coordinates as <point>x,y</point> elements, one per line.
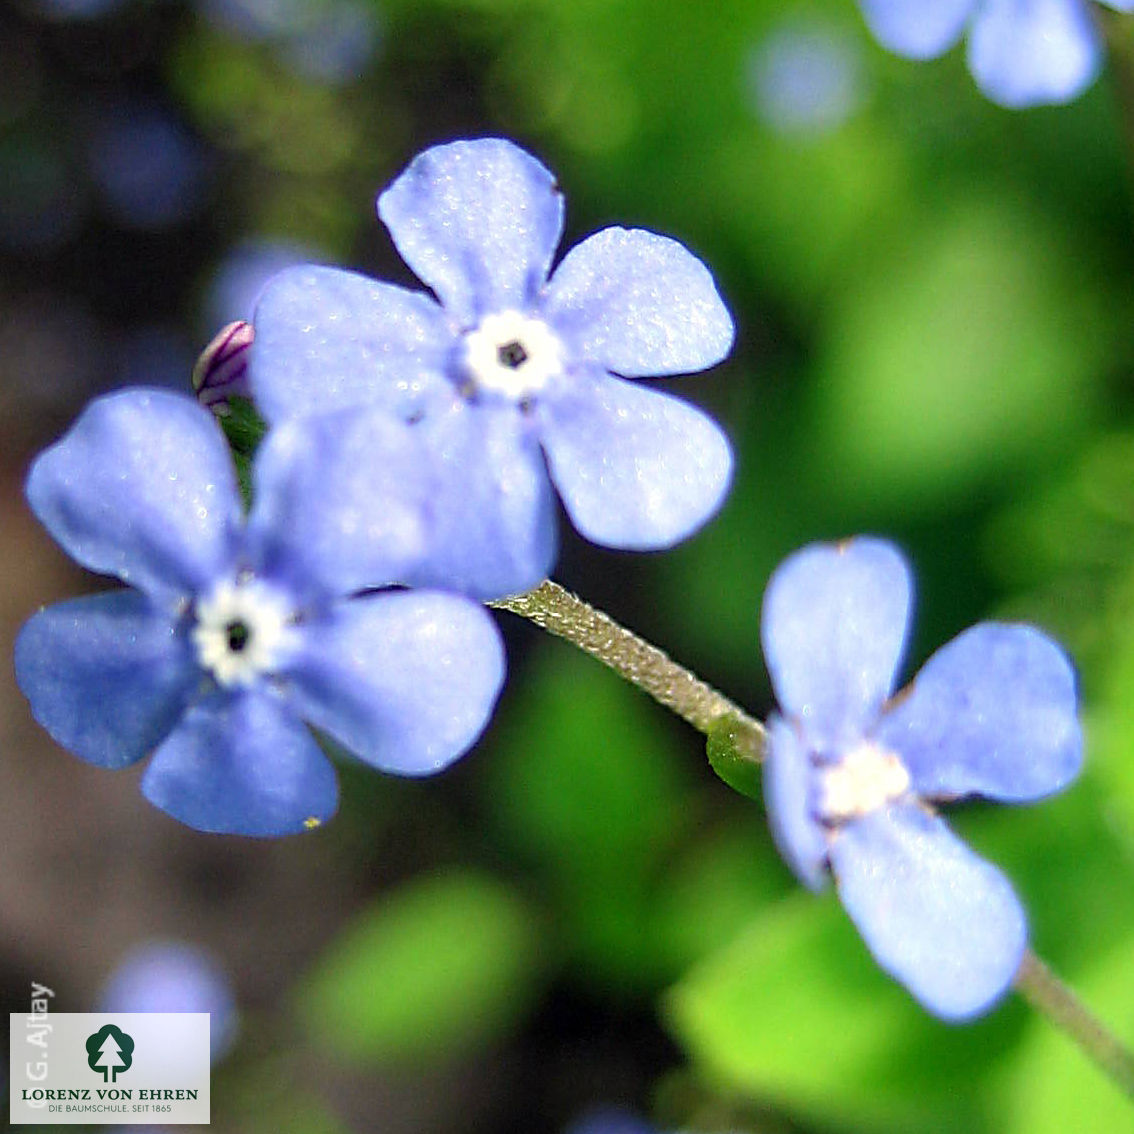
<point>636,468</point>
<point>639,304</point>
<point>936,917</point>
<point>243,764</point>
<point>107,675</point>
<point>406,680</point>
<point>328,339</point>
<point>833,629</point>
<point>479,222</point>
<point>142,487</point>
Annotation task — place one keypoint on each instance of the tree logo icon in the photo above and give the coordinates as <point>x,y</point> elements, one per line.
<point>110,1050</point>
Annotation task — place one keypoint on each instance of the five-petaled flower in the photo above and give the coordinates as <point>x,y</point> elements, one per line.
<point>851,775</point>
<point>513,375</point>
<point>233,631</point>
<point>1021,52</point>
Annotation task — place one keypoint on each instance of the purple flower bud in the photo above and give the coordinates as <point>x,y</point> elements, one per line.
<point>220,372</point>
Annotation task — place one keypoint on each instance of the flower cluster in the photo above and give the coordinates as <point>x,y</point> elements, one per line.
<point>414,442</point>
<point>852,774</point>
<point>1021,52</point>
<point>403,477</point>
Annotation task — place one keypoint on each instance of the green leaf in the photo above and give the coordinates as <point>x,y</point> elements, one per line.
<point>443,963</point>
<point>243,426</point>
<point>794,1012</point>
<point>731,761</point>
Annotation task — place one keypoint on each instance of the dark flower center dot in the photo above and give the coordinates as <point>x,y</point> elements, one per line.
<point>237,633</point>
<point>511,355</point>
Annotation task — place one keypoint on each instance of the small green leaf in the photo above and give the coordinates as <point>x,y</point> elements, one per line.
<point>243,426</point>
<point>730,759</point>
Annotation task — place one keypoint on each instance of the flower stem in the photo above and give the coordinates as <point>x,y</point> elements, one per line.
<point>1048,995</point>
<point>565,615</point>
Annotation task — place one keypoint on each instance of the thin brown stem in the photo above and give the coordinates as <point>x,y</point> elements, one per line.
<point>1051,997</point>
<point>565,615</point>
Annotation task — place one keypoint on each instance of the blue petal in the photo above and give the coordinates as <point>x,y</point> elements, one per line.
<point>995,713</point>
<point>143,487</point>
<point>918,29</point>
<point>494,512</point>
<point>1030,52</point>
<point>328,339</point>
<point>789,782</point>
<point>639,304</point>
<point>479,222</point>
<point>833,629</point>
<point>636,469</point>
<point>405,680</point>
<point>107,676</point>
<point>243,765</point>
<point>937,918</point>
<point>341,502</point>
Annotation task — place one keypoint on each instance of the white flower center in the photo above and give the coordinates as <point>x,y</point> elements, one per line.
<point>866,779</point>
<point>240,630</point>
<point>512,354</point>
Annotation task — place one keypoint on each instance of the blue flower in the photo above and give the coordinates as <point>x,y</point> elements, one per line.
<point>513,376</point>
<point>1021,52</point>
<point>234,632</point>
<point>173,976</point>
<point>851,774</point>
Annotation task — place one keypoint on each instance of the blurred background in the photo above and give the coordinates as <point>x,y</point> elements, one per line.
<point>934,301</point>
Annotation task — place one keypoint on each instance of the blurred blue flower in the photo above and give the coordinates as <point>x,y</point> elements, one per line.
<point>150,171</point>
<point>1021,52</point>
<point>239,631</point>
<point>850,775</point>
<point>172,976</point>
<point>805,77</point>
<point>513,376</point>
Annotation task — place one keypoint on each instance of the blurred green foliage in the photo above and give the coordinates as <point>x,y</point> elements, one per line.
<point>443,963</point>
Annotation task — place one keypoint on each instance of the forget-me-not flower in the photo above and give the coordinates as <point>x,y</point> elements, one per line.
<point>1021,52</point>
<point>852,772</point>
<point>233,632</point>
<point>511,375</point>
<point>174,976</point>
